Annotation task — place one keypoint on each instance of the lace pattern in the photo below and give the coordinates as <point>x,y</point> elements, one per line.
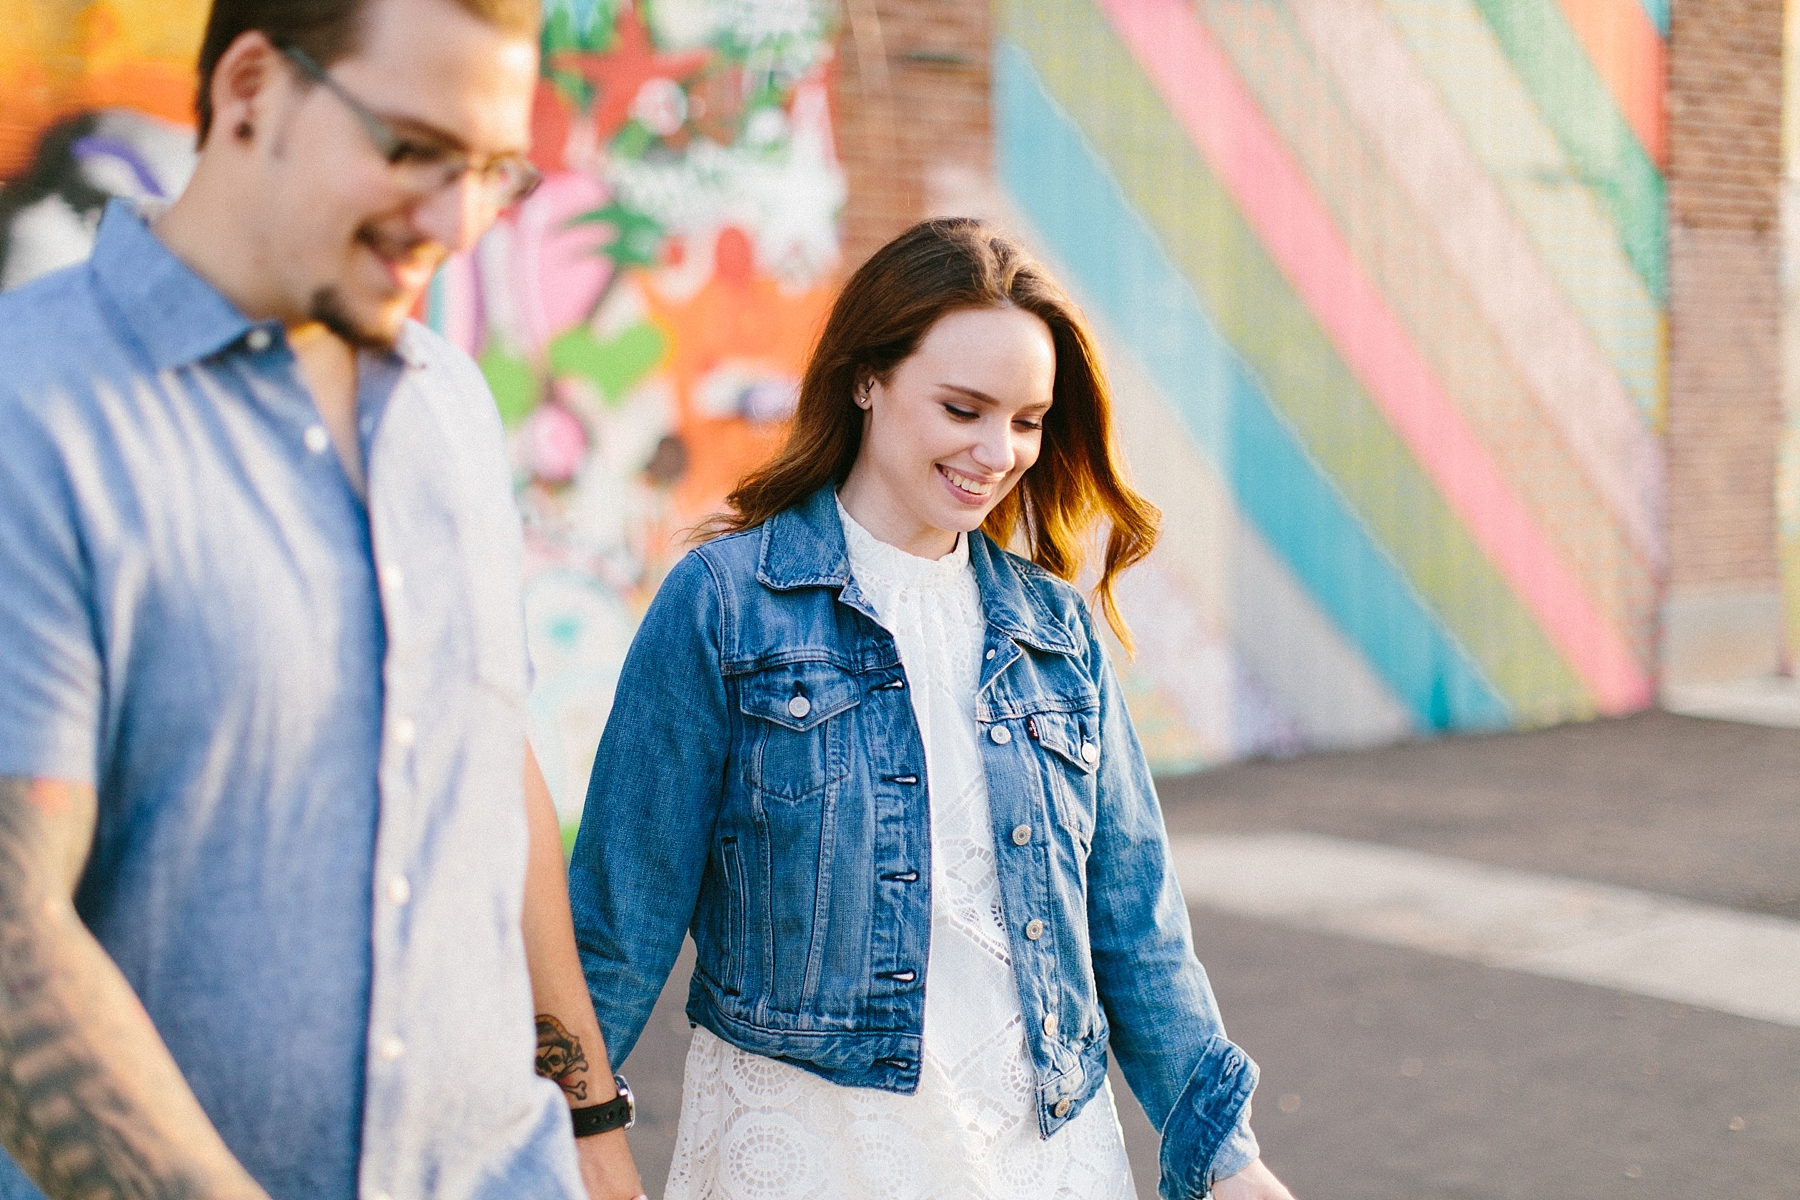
<point>756,1129</point>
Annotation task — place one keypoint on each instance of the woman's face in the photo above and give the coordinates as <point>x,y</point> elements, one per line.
<point>953,428</point>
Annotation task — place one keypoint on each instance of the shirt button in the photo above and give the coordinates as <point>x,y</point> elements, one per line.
<point>1021,834</point>
<point>258,341</point>
<point>405,732</point>
<point>394,577</point>
<point>380,1196</point>
<point>990,654</point>
<point>391,1049</point>
<point>1090,753</point>
<point>399,890</point>
<point>1034,929</point>
<point>1001,735</point>
<point>317,440</point>
<point>1050,1024</point>
<point>1062,1108</point>
<point>799,706</point>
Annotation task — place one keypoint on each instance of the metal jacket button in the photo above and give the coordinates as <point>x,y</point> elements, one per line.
<point>1021,834</point>
<point>1090,753</point>
<point>799,706</point>
<point>990,654</point>
<point>1034,929</point>
<point>1062,1108</point>
<point>1050,1024</point>
<point>258,340</point>
<point>1001,735</point>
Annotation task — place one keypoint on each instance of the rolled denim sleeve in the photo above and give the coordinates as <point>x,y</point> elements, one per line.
<point>1194,1084</point>
<point>652,803</point>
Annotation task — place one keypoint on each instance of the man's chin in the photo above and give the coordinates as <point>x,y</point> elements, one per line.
<point>376,327</point>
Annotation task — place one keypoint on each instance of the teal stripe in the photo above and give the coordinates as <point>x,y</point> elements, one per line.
<point>1116,262</point>
<point>1658,12</point>
<point>1577,105</point>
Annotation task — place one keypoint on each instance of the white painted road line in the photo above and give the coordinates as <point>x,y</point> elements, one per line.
<point>1719,958</point>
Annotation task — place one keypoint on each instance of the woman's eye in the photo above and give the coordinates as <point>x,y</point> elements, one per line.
<point>961,414</point>
<point>1029,423</point>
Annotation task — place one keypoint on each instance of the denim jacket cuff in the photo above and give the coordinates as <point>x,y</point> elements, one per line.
<point>1238,1152</point>
<point>1205,1119</point>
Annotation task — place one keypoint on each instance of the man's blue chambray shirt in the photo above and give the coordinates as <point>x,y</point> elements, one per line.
<point>304,715</point>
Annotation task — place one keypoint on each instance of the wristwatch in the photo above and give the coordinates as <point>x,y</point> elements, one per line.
<point>618,1113</point>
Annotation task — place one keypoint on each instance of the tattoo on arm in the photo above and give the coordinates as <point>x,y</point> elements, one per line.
<point>559,1057</point>
<point>67,1115</point>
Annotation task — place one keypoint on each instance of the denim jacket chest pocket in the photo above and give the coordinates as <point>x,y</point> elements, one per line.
<point>1070,759</point>
<point>793,746</point>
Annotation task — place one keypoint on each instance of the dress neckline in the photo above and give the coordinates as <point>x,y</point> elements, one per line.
<point>870,555</point>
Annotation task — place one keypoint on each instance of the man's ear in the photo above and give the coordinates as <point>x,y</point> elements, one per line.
<point>247,74</point>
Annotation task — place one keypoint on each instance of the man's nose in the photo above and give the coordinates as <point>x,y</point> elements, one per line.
<point>457,214</point>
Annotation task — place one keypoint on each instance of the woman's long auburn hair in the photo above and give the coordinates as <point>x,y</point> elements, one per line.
<point>935,268</point>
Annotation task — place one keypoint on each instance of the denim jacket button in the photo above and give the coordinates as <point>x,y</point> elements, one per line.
<point>1090,753</point>
<point>1050,1024</point>
<point>1034,929</point>
<point>799,706</point>
<point>1062,1109</point>
<point>1021,834</point>
<point>1001,735</point>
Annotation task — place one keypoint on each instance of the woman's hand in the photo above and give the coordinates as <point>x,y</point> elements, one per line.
<point>606,1167</point>
<point>1254,1182</point>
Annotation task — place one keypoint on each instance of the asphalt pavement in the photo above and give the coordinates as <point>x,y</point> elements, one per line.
<point>1389,1072</point>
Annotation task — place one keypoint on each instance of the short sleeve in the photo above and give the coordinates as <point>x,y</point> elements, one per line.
<point>50,673</point>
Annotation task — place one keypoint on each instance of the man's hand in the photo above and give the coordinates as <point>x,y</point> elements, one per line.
<point>1254,1182</point>
<point>571,1049</point>
<point>607,1169</point>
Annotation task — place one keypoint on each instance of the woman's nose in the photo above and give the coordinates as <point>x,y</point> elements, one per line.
<point>995,449</point>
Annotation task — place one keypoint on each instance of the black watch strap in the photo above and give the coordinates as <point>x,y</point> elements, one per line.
<point>618,1113</point>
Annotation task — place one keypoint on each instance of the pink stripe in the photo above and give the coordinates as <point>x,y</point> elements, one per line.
<point>1196,79</point>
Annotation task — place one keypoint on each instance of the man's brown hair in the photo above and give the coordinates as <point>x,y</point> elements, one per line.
<point>327,30</point>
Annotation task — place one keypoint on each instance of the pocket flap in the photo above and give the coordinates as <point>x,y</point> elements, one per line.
<point>1072,737</point>
<point>799,695</point>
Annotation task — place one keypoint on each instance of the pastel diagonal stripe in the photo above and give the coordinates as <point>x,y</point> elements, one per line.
<point>1453,47</point>
<point>1064,190</point>
<point>1196,81</point>
<point>1390,239</point>
<point>1224,331</point>
<point>1622,41</point>
<point>1568,374</point>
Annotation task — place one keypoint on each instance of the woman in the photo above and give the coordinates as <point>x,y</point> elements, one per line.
<point>882,770</point>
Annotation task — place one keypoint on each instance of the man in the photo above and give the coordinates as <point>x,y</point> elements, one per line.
<point>274,859</point>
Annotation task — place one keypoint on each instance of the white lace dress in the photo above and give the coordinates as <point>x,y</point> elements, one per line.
<point>756,1129</point>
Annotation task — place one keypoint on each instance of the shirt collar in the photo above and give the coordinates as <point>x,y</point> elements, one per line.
<point>803,546</point>
<point>177,316</point>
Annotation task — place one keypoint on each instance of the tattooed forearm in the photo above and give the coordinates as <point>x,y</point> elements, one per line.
<point>559,1057</point>
<point>91,1106</point>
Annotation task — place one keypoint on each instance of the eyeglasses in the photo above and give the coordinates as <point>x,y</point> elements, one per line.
<point>421,167</point>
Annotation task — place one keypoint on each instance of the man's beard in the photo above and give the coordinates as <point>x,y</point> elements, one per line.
<point>329,310</point>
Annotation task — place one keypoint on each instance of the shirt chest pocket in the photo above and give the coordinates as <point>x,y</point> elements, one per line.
<point>1070,758</point>
<point>795,735</point>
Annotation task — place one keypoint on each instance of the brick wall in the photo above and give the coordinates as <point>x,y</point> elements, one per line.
<point>912,99</point>
<point>1722,614</point>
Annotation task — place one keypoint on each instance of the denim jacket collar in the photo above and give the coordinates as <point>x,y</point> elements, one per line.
<point>803,546</point>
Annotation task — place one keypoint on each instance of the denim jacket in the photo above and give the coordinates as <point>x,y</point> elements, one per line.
<point>761,784</point>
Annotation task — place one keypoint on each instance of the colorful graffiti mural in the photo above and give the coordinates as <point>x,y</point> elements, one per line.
<point>644,317</point>
<point>1382,285</point>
